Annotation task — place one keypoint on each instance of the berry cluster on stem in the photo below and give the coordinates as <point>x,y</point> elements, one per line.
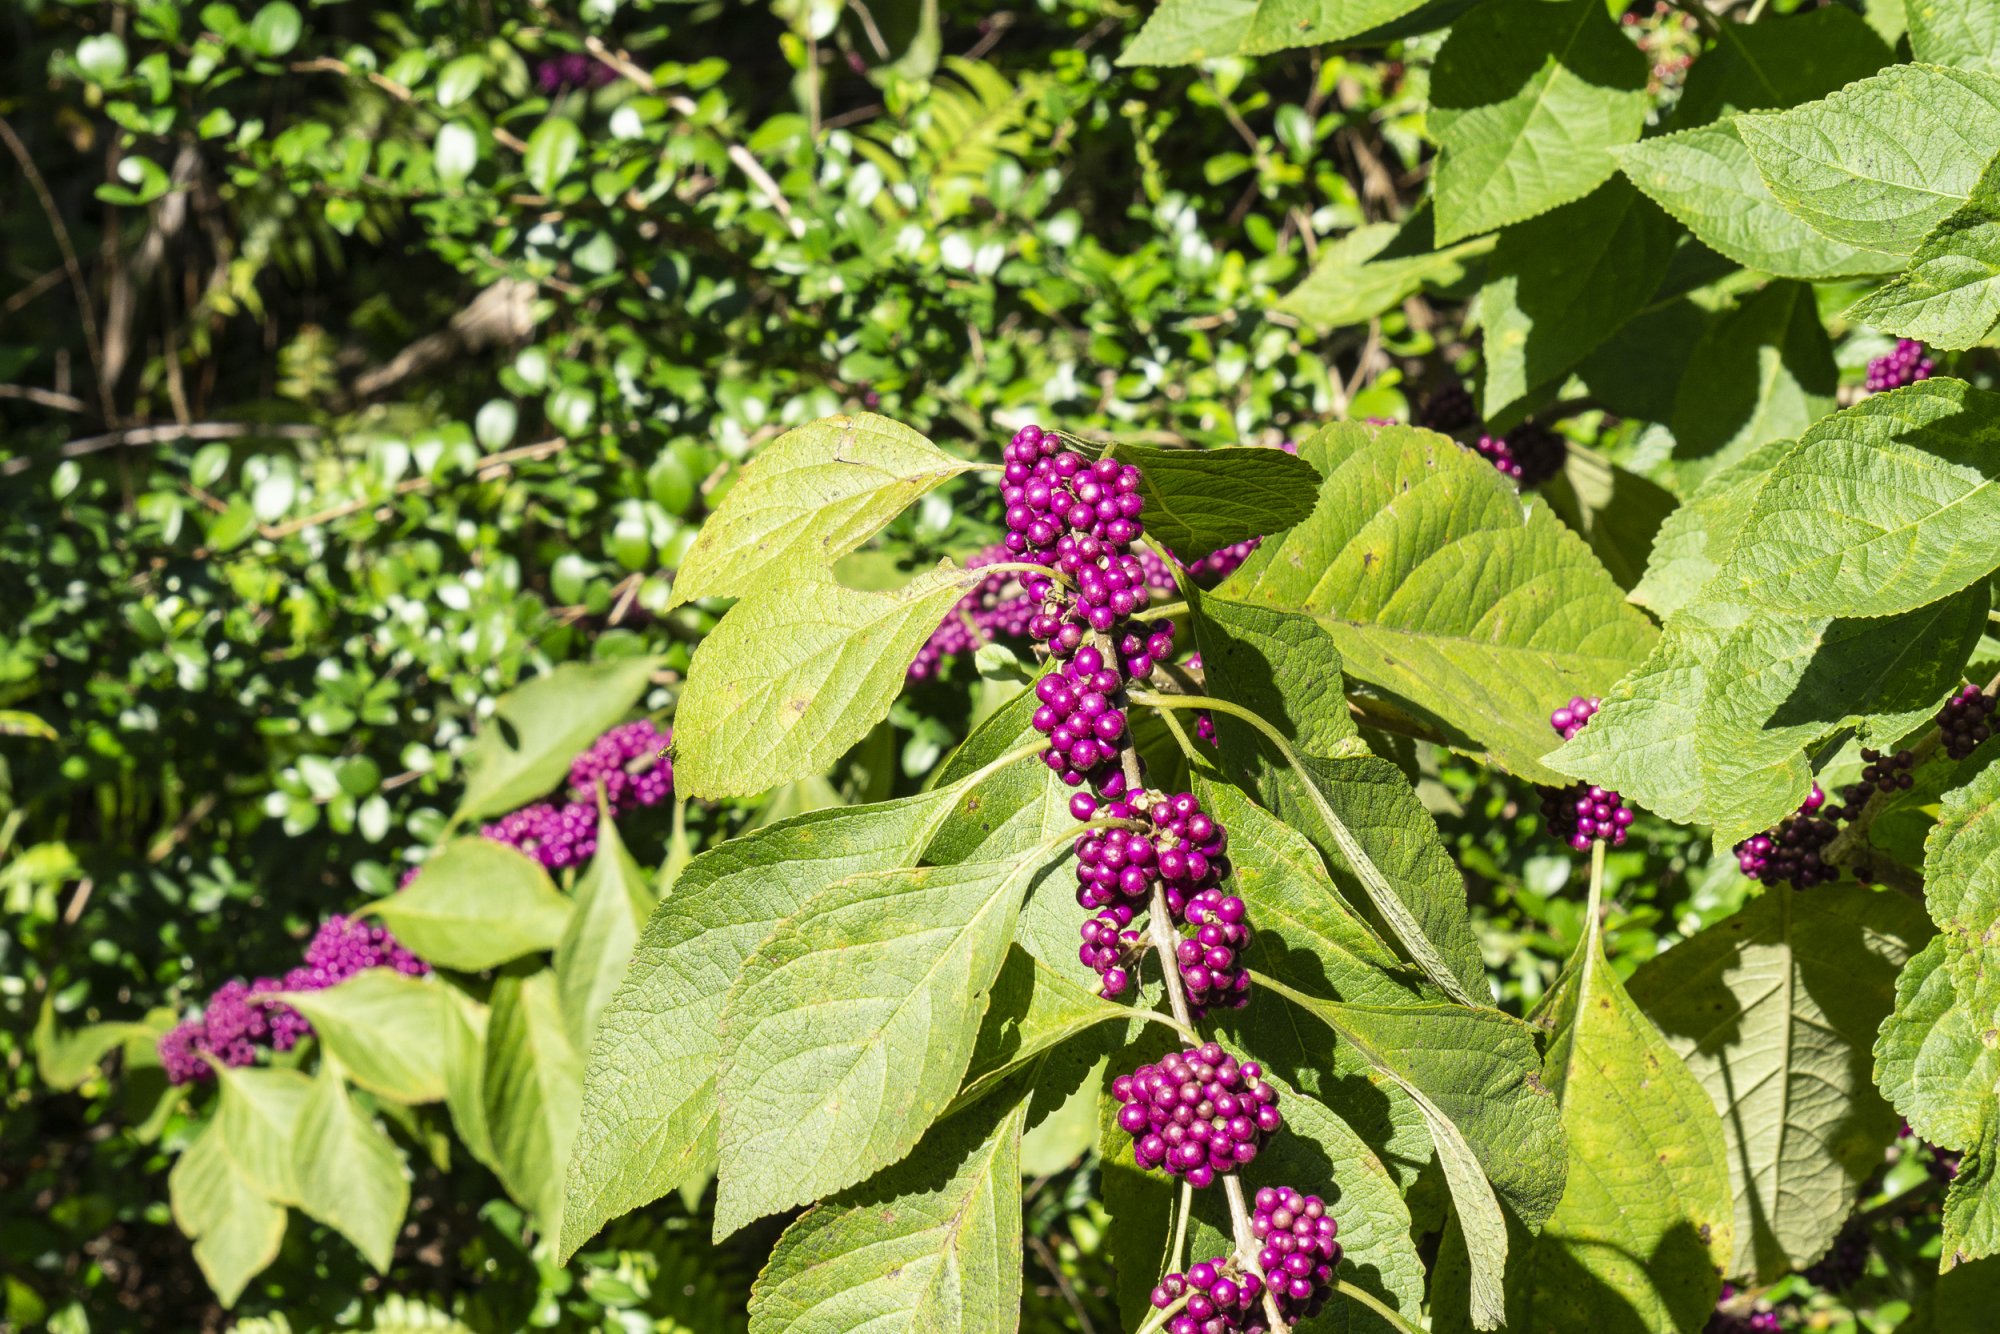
<point>1582,813</point>
<point>1530,454</point>
<point>1903,364</point>
<point>1200,1113</point>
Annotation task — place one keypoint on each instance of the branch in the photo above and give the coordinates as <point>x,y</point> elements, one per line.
<point>157,435</point>
<point>93,340</point>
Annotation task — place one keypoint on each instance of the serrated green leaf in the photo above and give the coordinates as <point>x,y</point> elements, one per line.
<point>476,905</point>
<point>931,1246</point>
<point>1931,1060</point>
<point>1716,727</point>
<point>613,901</point>
<point>1761,372</point>
<point>1447,594</point>
<point>1199,500</point>
<point>851,1027</point>
<point>797,673</point>
<point>386,1030</point>
<point>1774,1010</point>
<point>1529,97</point>
<point>540,726</point>
<point>1949,296</point>
<point>649,1114</point>
<point>1965,33</point>
<point>1883,161</point>
<point>1645,1226</point>
<point>257,1118</point>
<point>552,151</point>
<point>1559,284</point>
<point>1696,539</point>
<point>1280,664</point>
<point>1186,32</point>
<point>350,1176</point>
<point>1971,1204</point>
<point>1476,1074</point>
<point>809,497</point>
<point>533,1086</point>
<point>1706,178</point>
<point>236,1228</point>
<point>1375,268</point>
<point>1885,507</point>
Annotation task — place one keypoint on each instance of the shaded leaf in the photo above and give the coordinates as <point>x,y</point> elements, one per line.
<point>1762,372</point>
<point>1375,268</point>
<point>532,1088</point>
<point>1199,500</point>
<point>1617,512</point>
<point>1695,539</point>
<point>1774,1010</point>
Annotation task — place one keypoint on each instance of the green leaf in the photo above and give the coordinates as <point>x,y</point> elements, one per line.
<point>476,905</point>
<point>533,1085</point>
<point>63,1061</point>
<point>932,1246</point>
<point>258,1117</point>
<point>1949,296</point>
<point>350,1176</point>
<point>1706,178</point>
<point>797,673</point>
<point>465,1023</point>
<point>1032,1010</point>
<point>1774,1010</point>
<point>1477,1069</point>
<point>539,727</point>
<point>1779,62</point>
<point>1965,33</point>
<point>649,1114</point>
<point>1617,513</point>
<point>1883,161</point>
<point>1696,538</point>
<point>236,1228</point>
<point>851,1026</point>
<point>1762,372</point>
<point>101,57</point>
<point>1971,1204</point>
<point>1283,666</point>
<point>387,1031</point>
<point>1717,726</point>
<point>1199,500</point>
<point>460,79</point>
<point>1187,32</point>
<point>613,901</point>
<point>1645,1227</point>
<point>276,29</point>
<point>1560,284</point>
<point>1529,97</point>
<point>1375,268</point>
<point>454,153</point>
<point>1885,507</point>
<point>808,498</point>
<point>552,151</point>
<point>1445,593</point>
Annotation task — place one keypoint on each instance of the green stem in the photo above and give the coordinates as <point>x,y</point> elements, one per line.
<point>1158,1319</point>
<point>1375,1304</point>
<point>1180,735</point>
<point>1409,933</point>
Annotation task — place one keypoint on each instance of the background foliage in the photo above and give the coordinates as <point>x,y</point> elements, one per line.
<point>359,362</point>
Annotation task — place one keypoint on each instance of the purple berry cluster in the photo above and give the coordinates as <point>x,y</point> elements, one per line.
<point>1790,853</point>
<point>1218,1297</point>
<point>1582,813</point>
<point>572,70</point>
<point>1197,1113</point>
<point>627,761</point>
<point>239,1018</point>
<point>1448,409</point>
<point>1299,1252</point>
<point>1531,455</point>
<point>1903,364</point>
<point>1880,773</point>
<point>1211,953</point>
<point>1079,713</point>
<point>1962,722</point>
